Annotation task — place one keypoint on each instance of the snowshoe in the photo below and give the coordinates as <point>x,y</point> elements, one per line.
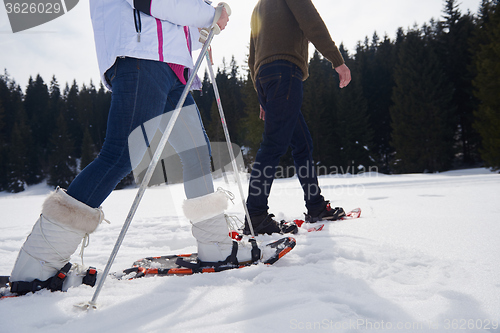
<point>188,264</point>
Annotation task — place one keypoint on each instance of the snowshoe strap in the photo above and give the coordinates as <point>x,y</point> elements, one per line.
<point>22,287</point>
<point>90,277</point>
<point>198,265</point>
<point>57,280</point>
<point>232,257</point>
<point>54,283</point>
<point>256,253</point>
<point>193,265</point>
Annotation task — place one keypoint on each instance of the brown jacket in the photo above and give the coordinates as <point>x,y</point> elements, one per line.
<point>281,30</point>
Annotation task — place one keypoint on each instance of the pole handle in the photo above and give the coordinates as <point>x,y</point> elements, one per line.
<point>215,27</point>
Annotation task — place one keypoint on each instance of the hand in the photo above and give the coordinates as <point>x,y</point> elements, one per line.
<point>224,18</point>
<point>344,75</point>
<point>262,113</point>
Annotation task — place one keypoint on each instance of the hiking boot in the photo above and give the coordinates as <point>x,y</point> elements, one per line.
<point>327,213</point>
<point>265,224</point>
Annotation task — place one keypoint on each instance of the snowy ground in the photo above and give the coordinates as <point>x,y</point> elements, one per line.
<point>424,257</point>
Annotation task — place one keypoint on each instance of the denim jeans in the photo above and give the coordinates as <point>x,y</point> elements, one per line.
<point>141,91</point>
<point>280,91</point>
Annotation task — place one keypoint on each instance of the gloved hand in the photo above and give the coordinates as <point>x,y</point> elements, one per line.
<point>221,17</point>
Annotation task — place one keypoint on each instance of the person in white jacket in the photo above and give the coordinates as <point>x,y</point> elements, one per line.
<point>143,49</point>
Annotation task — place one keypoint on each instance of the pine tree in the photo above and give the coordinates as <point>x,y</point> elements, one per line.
<point>422,116</point>
<point>3,145</point>
<point>487,84</point>
<point>204,99</point>
<point>17,157</point>
<point>376,66</point>
<point>5,127</point>
<point>353,128</point>
<point>12,99</point>
<point>100,120</point>
<point>36,104</point>
<point>88,149</point>
<point>55,106</point>
<point>72,115</point>
<point>452,42</point>
<point>36,101</point>
<point>319,108</point>
<point>87,115</point>
<point>252,126</point>
<point>62,163</point>
<point>231,97</point>
<point>214,129</point>
<point>20,147</point>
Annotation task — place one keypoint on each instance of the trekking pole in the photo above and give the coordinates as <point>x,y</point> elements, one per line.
<point>152,165</point>
<point>228,141</point>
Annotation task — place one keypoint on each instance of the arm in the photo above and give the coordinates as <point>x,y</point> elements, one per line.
<point>251,60</point>
<point>315,30</point>
<point>194,13</point>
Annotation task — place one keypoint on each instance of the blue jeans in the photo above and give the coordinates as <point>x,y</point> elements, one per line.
<point>280,91</point>
<point>143,90</point>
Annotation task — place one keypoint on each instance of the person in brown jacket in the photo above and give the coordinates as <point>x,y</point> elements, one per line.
<point>280,33</point>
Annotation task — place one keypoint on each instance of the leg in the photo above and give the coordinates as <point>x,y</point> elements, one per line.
<point>191,143</point>
<point>203,207</point>
<point>304,165</point>
<point>279,86</point>
<point>140,92</point>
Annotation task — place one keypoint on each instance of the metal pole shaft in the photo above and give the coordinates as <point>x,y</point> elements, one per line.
<point>228,141</point>
<point>151,168</point>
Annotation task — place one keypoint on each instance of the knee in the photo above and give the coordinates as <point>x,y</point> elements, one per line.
<point>273,149</point>
<point>116,159</point>
<point>301,152</point>
<point>196,160</point>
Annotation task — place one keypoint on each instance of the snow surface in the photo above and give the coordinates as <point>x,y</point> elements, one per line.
<point>423,257</point>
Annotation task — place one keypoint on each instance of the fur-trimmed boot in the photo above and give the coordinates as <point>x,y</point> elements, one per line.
<point>62,225</point>
<point>211,231</point>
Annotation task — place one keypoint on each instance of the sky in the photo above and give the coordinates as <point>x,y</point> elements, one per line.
<point>64,47</point>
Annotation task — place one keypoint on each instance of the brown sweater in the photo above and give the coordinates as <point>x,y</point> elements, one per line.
<point>281,30</point>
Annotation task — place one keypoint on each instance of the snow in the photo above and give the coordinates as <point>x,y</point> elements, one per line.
<point>423,257</point>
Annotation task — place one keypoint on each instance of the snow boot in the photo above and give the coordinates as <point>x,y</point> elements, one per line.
<point>211,231</point>
<point>326,212</point>
<point>266,224</point>
<point>43,261</point>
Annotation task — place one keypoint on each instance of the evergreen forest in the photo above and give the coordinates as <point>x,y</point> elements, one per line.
<point>426,101</point>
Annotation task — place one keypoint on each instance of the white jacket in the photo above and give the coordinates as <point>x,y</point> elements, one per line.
<point>147,29</point>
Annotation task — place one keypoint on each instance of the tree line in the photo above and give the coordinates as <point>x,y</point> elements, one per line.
<point>427,101</point>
